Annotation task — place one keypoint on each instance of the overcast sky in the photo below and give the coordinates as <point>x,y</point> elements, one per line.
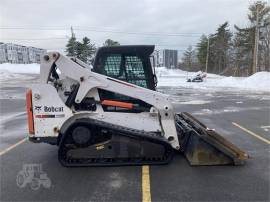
<point>168,23</point>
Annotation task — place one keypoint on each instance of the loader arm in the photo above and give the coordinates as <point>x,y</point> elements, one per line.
<point>91,81</point>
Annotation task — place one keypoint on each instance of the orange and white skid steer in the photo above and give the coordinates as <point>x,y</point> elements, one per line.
<point>112,115</point>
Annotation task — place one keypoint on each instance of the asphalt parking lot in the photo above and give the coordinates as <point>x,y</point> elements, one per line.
<point>225,111</point>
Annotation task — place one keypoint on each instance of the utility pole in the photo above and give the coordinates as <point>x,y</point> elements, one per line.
<point>256,41</point>
<point>207,54</point>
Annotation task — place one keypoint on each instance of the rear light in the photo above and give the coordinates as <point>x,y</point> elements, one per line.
<point>29,108</point>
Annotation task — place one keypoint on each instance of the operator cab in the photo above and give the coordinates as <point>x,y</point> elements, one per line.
<point>127,63</point>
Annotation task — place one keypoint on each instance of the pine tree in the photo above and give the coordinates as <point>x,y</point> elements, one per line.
<point>85,50</point>
<point>245,39</point>
<point>202,50</point>
<point>244,46</point>
<point>110,42</point>
<point>71,46</point>
<point>219,48</point>
<point>82,50</point>
<point>189,59</point>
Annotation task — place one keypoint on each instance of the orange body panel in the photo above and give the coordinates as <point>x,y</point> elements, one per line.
<point>29,108</point>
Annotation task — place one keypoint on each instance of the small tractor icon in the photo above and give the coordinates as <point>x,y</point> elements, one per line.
<point>33,174</point>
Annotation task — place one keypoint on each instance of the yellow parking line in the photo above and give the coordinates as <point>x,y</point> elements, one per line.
<point>146,190</point>
<point>12,146</point>
<point>252,133</point>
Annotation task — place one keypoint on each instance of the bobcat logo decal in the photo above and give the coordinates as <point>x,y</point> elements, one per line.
<point>38,108</point>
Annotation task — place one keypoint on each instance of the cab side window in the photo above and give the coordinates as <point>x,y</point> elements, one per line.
<point>135,71</point>
<point>112,65</point>
<point>124,67</point>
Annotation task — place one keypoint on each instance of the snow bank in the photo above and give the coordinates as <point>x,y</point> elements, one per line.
<point>167,77</point>
<point>164,72</point>
<point>14,72</point>
<point>260,80</point>
<point>177,78</point>
<point>20,68</point>
<point>5,75</point>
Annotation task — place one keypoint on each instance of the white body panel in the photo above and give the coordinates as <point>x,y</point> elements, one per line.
<point>49,122</point>
<point>44,97</point>
<point>160,119</point>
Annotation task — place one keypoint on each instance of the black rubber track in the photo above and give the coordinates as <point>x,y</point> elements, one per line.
<point>117,130</point>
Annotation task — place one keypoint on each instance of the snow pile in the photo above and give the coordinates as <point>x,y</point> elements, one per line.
<point>163,71</point>
<point>6,75</point>
<point>260,80</point>
<point>177,78</point>
<point>20,68</point>
<point>194,102</point>
<point>166,77</point>
<point>14,72</point>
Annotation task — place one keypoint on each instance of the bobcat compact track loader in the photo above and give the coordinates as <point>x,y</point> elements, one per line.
<point>112,115</point>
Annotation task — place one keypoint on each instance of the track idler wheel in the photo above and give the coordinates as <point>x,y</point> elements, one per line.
<point>81,136</point>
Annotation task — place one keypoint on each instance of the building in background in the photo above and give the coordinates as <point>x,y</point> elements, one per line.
<point>13,53</point>
<point>157,58</point>
<point>170,58</point>
<point>166,58</point>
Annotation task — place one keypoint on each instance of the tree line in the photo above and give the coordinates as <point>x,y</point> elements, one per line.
<point>225,52</point>
<point>84,50</point>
